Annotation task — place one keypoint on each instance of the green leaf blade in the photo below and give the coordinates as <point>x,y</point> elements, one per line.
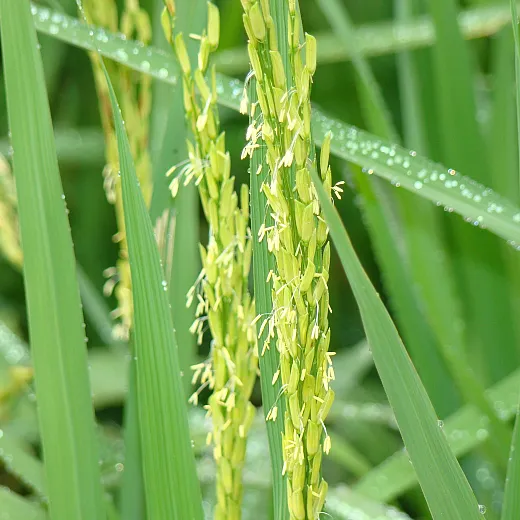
<point>269,360</point>
<point>55,319</point>
<point>475,202</point>
<point>516,34</point>
<point>20,463</point>
<point>444,485</point>
<point>16,507</point>
<point>511,503</point>
<point>464,432</point>
<point>170,480</point>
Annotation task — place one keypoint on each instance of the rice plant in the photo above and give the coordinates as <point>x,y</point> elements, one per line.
<point>316,275</point>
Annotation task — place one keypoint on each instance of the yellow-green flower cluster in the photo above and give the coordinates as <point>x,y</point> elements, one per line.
<point>18,379</point>
<point>134,94</point>
<point>224,302</point>
<point>9,232</point>
<point>299,241</point>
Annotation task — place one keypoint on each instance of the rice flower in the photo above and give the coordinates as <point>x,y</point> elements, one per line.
<point>298,239</point>
<point>224,302</point>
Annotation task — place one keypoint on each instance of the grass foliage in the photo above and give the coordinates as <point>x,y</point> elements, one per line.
<point>423,103</point>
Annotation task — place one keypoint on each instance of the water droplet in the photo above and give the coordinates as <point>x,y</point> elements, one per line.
<point>440,424</point>
<point>482,434</point>
<point>418,185</point>
<point>482,509</point>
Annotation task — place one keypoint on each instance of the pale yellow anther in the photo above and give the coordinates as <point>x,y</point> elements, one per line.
<point>244,103</point>
<point>174,187</point>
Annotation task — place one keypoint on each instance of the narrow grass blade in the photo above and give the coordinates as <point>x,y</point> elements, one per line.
<point>381,38</point>
<point>131,499</point>
<point>20,463</point>
<point>477,256</point>
<point>511,502</point>
<point>377,115</point>
<point>95,307</point>
<point>170,481</point>
<point>478,204</point>
<point>434,273</point>
<point>168,115</point>
<point>465,430</point>
<point>443,483</point>
<point>79,146</point>
<point>392,223</point>
<point>17,508</point>
<point>108,375</point>
<point>516,33</point>
<point>503,147</point>
<point>55,320</point>
<point>269,361</point>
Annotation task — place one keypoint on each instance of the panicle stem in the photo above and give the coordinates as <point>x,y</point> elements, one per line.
<point>224,302</point>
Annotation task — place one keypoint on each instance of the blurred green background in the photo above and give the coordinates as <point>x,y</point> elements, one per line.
<point>358,443</point>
